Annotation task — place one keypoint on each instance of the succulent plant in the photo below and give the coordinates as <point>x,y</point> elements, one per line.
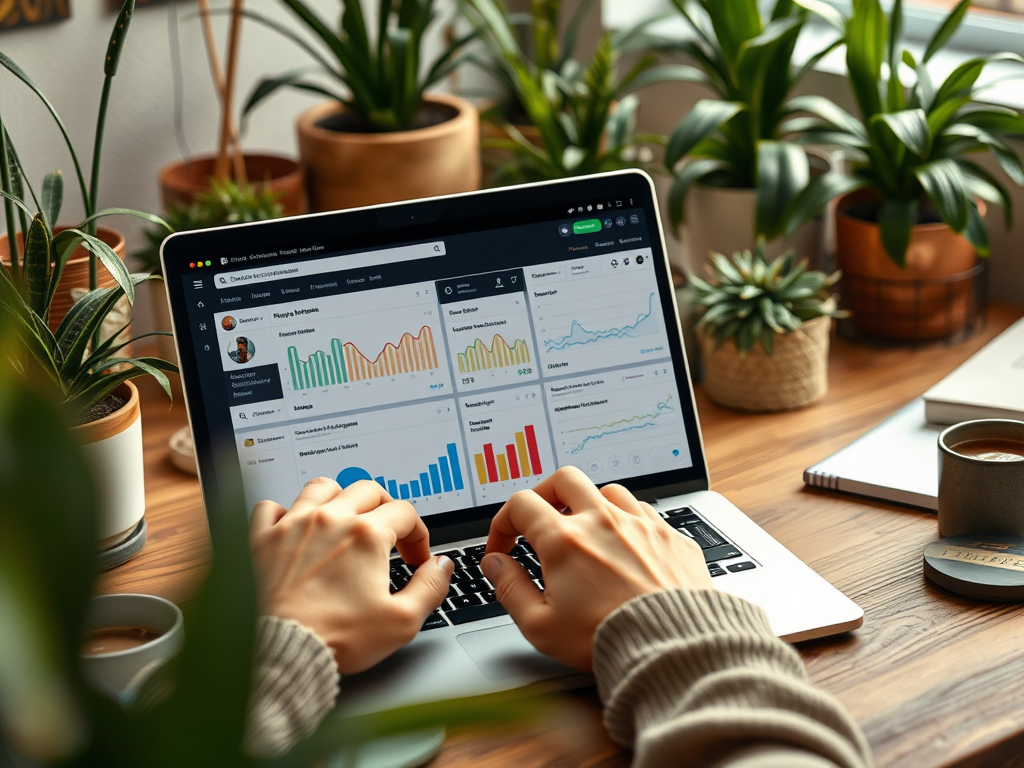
<point>749,300</point>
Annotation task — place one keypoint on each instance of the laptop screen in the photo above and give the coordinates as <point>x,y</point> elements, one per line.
<point>453,362</point>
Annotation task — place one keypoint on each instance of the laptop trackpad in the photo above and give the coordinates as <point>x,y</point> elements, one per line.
<point>503,652</point>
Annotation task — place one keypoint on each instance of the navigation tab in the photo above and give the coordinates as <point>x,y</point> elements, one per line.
<point>481,286</point>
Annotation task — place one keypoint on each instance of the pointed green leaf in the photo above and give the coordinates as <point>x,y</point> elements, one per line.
<point>38,257</point>
<point>110,260</point>
<point>825,109</point>
<point>824,11</point>
<point>866,35</point>
<point>946,186</point>
<point>117,38</point>
<point>811,200</point>
<point>703,120</point>
<point>782,173</point>
<point>734,22</point>
<point>976,232</point>
<point>53,196</point>
<point>910,128</point>
<point>693,171</point>
<point>896,219</point>
<point>946,30</point>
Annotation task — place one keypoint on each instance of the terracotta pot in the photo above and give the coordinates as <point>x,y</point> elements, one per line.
<point>113,449</point>
<point>76,271</point>
<point>928,299</point>
<point>793,376</point>
<point>180,182</point>
<point>347,170</point>
<point>721,220</point>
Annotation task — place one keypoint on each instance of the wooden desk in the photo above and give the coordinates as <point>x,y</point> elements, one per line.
<point>934,679</point>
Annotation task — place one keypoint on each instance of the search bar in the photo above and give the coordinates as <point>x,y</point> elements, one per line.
<point>245,277</point>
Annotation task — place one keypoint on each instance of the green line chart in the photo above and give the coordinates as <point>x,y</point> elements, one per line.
<point>619,426</point>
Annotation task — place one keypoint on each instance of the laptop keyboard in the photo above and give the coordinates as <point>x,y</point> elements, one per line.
<point>471,597</point>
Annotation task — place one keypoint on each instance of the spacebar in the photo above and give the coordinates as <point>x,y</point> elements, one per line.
<point>476,612</point>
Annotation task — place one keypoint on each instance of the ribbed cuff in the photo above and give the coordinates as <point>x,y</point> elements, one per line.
<point>703,669</point>
<point>295,685</point>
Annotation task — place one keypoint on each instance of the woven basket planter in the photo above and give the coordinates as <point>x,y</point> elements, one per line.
<point>794,376</point>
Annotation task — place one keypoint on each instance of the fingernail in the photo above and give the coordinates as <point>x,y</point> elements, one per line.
<point>491,564</point>
<point>445,564</point>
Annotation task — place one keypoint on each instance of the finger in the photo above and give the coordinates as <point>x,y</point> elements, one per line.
<point>315,493</point>
<point>427,588</point>
<point>518,594</point>
<point>359,498</point>
<point>525,514</point>
<point>570,487</point>
<point>622,499</point>
<point>264,515</point>
<point>404,528</point>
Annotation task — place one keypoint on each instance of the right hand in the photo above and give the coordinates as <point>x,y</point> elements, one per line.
<point>605,550</point>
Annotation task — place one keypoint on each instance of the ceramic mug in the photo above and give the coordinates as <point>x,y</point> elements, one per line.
<point>120,672</point>
<point>978,495</point>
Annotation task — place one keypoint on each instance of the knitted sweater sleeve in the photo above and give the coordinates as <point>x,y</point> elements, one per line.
<point>697,678</point>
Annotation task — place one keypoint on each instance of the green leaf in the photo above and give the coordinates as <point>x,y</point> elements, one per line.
<point>866,34</point>
<point>896,220</point>
<point>693,171</point>
<point>734,22</point>
<point>977,233</point>
<point>824,11</point>
<point>38,257</point>
<point>946,30</point>
<point>813,199</point>
<point>826,110</point>
<point>1008,159</point>
<point>53,196</point>
<point>110,260</point>
<point>622,123</point>
<point>894,95</point>
<point>293,79</point>
<point>910,128</point>
<point>976,174</point>
<point>117,38</point>
<point>668,73</point>
<point>946,187</point>
<point>782,173</point>
<point>706,117</point>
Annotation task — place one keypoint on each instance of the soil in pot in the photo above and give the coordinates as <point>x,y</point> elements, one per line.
<point>929,298</point>
<point>349,122</point>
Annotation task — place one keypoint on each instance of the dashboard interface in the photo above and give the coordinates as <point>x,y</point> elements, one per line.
<point>452,371</point>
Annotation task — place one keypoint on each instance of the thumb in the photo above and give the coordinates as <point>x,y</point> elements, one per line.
<point>514,590</point>
<point>428,586</point>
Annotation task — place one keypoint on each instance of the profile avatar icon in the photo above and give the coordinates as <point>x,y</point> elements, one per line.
<point>242,350</point>
<point>228,323</point>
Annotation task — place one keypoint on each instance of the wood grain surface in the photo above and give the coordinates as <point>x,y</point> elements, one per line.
<point>934,679</point>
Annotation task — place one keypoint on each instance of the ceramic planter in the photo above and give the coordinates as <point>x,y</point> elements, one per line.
<point>113,449</point>
<point>928,299</point>
<point>76,271</point>
<point>347,170</point>
<point>793,376</point>
<point>180,182</point>
<point>721,220</point>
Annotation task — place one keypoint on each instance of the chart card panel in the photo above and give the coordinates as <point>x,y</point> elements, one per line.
<point>619,423</point>
<point>598,312</point>
<point>508,446</point>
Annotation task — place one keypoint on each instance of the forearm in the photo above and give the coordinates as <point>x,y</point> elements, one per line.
<point>697,678</point>
<point>295,684</point>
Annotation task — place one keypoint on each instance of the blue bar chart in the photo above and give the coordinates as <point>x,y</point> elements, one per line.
<point>442,476</point>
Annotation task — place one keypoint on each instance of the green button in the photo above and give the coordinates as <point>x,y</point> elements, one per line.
<point>590,225</point>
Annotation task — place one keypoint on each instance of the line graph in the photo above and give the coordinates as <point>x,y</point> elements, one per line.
<point>579,335</point>
<point>478,357</point>
<point>619,426</point>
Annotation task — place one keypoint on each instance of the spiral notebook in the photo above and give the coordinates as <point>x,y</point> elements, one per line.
<point>896,461</point>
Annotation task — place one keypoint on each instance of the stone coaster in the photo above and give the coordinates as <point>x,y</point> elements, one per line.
<point>987,566</point>
<point>183,454</point>
<point>125,550</point>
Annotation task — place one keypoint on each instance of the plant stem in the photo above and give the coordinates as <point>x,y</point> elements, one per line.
<point>218,80</point>
<point>222,169</point>
<point>94,184</point>
<point>12,233</point>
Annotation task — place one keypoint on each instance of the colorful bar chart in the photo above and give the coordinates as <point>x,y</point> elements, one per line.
<point>441,477</point>
<point>520,459</point>
<point>347,363</point>
<point>479,357</point>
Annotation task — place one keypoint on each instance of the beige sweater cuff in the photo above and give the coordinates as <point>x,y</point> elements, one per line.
<point>295,684</point>
<point>701,674</point>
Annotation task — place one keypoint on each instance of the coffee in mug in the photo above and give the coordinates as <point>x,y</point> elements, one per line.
<point>115,639</point>
<point>981,478</point>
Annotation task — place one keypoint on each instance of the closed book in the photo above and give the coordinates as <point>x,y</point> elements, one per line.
<point>990,385</point>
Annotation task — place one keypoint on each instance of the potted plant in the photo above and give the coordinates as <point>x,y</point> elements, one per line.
<point>910,236</point>
<point>764,331</point>
<point>382,137</point>
<point>738,171</point>
<point>559,117</point>
<point>81,248</point>
<point>182,181</point>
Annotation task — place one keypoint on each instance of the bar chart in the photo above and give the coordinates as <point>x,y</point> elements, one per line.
<point>443,476</point>
<point>480,357</point>
<point>520,459</point>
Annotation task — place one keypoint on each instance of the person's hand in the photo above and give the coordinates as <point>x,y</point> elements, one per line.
<point>324,563</point>
<point>604,550</point>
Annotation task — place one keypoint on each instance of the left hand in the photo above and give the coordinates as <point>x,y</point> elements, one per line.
<point>324,562</point>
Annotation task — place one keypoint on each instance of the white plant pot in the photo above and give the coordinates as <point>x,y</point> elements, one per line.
<point>721,220</point>
<point>113,449</point>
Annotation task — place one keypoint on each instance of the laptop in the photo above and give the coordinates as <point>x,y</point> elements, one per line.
<point>456,350</point>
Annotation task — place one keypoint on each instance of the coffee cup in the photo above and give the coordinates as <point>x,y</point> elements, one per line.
<point>981,478</point>
<point>127,637</point>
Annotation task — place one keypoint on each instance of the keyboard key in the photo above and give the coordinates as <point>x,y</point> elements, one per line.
<point>679,511</point>
<point>703,535</point>
<point>399,579</point>
<point>476,585</point>
<point>724,552</point>
<point>400,568</point>
<point>467,574</point>
<point>519,551</point>
<point>452,553</point>
<point>468,560</point>
<point>488,596</point>
<point>476,613</point>
<point>532,566</point>
<point>715,570</point>
<point>452,591</point>
<point>539,583</point>
<point>434,621</point>
<point>744,566</point>
<point>462,601</point>
<point>477,549</point>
